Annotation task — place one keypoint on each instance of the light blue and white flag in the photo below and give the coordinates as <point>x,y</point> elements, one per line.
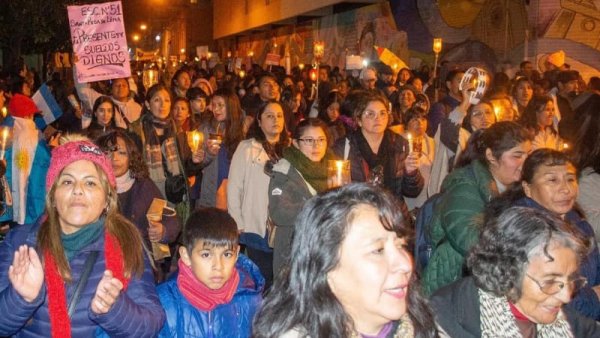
<point>47,104</point>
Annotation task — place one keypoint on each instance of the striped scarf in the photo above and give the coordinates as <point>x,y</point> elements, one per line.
<point>497,320</point>
<point>156,150</point>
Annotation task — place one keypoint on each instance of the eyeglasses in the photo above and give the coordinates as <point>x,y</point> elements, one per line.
<point>371,115</point>
<point>311,142</point>
<point>552,287</point>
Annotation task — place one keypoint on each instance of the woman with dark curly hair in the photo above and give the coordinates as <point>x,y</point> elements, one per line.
<point>350,274</point>
<point>525,268</point>
<point>538,117</point>
<point>135,189</point>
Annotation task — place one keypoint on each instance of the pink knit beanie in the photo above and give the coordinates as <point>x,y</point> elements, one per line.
<point>73,151</point>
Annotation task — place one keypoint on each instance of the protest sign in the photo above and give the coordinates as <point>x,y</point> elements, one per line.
<point>273,59</point>
<point>144,55</point>
<point>99,41</point>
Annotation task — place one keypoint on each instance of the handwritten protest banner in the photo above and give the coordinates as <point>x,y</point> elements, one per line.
<point>99,41</point>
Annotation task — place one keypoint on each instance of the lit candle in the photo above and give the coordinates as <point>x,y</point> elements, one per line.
<point>5,132</point>
<point>195,138</point>
<point>339,165</point>
<point>497,113</point>
<point>410,143</point>
<point>565,146</point>
<point>301,66</point>
<point>242,74</point>
<point>4,112</point>
<point>228,54</point>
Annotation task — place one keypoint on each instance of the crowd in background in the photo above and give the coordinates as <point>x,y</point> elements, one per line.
<point>504,193</point>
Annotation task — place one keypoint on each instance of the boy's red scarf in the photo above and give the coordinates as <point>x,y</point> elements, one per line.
<point>199,295</point>
<point>60,323</point>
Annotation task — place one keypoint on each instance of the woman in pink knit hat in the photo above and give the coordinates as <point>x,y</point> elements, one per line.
<point>80,271</point>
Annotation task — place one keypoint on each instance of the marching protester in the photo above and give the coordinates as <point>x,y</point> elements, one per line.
<point>247,188</point>
<point>217,290</point>
<point>81,270</point>
<point>136,191</point>
<point>350,253</point>
<point>524,270</point>
<point>27,160</point>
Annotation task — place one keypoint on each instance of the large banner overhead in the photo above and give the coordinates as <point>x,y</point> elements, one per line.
<point>99,41</point>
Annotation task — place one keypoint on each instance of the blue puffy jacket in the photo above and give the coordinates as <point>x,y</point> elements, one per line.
<point>136,313</point>
<point>230,320</point>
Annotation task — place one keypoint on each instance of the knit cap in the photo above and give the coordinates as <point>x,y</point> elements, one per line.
<point>22,106</point>
<point>73,151</point>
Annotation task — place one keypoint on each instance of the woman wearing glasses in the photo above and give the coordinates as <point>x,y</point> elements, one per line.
<point>301,174</point>
<point>549,183</point>
<point>377,155</point>
<point>525,268</point>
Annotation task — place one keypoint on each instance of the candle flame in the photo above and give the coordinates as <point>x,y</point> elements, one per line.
<point>497,112</point>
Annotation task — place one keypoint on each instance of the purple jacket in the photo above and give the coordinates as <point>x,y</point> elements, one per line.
<point>134,205</point>
<point>136,313</point>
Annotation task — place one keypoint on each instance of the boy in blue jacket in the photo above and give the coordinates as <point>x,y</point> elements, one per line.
<point>216,291</point>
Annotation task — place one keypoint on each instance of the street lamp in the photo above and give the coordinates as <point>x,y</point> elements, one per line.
<point>318,52</point>
<point>437,48</point>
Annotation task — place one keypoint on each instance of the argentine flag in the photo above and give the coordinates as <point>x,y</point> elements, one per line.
<point>47,104</point>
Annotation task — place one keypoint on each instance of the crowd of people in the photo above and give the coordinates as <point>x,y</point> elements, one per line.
<point>204,206</point>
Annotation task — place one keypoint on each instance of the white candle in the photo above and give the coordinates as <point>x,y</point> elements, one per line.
<point>4,137</point>
<point>338,177</point>
<point>195,140</point>
<point>410,143</point>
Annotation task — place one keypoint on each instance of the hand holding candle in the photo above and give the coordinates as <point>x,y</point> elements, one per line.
<point>5,133</point>
<point>410,143</point>
<point>195,138</point>
<point>338,173</point>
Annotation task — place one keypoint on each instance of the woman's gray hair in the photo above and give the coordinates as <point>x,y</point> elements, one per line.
<point>509,242</point>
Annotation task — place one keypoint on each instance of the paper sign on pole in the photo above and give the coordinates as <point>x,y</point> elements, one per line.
<point>143,55</point>
<point>273,59</point>
<point>202,51</point>
<point>99,41</point>
<point>353,62</point>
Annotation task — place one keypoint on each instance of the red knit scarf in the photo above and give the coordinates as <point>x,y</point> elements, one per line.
<point>199,295</point>
<point>60,323</point>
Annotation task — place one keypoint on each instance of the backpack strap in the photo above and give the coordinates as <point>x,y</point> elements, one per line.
<point>85,275</point>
